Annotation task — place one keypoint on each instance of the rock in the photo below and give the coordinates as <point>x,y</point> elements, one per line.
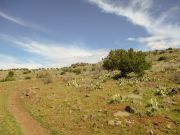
<point>87,95</point>
<point>150,132</point>
<point>129,109</point>
<point>36,88</point>
<point>94,125</point>
<point>70,111</point>
<point>129,122</point>
<point>111,122</point>
<point>118,123</point>
<point>134,96</point>
<point>170,125</point>
<point>155,123</point>
<point>53,107</point>
<point>84,117</point>
<point>174,91</point>
<point>114,122</point>
<point>29,92</point>
<point>121,114</point>
<point>170,101</point>
<point>136,92</point>
<point>76,108</point>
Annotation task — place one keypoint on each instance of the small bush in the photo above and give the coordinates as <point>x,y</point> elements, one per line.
<point>46,77</point>
<point>169,48</point>
<point>27,78</point>
<point>98,86</point>
<point>78,65</point>
<point>162,52</point>
<point>162,58</point>
<point>9,77</point>
<point>115,99</point>
<point>93,69</point>
<point>84,69</point>
<point>153,107</point>
<point>74,83</point>
<point>77,71</point>
<point>161,92</point>
<point>67,69</point>
<point>63,72</point>
<point>26,71</point>
<point>155,52</point>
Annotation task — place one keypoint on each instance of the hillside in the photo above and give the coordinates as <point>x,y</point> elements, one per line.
<point>85,99</point>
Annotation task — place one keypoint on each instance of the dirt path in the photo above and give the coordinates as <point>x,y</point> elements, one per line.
<point>28,125</point>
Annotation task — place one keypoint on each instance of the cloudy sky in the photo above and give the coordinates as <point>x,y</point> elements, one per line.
<point>56,33</point>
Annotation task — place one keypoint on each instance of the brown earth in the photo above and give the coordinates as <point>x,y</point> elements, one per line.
<point>28,125</point>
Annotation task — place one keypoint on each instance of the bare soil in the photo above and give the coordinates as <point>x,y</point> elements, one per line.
<point>28,125</point>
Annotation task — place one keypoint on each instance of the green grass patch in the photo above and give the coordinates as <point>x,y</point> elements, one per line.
<point>8,125</point>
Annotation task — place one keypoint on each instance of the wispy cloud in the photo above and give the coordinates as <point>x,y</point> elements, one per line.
<point>20,22</point>
<point>163,32</point>
<point>9,62</point>
<point>58,54</point>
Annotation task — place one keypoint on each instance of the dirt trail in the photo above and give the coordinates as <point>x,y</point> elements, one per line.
<point>28,125</point>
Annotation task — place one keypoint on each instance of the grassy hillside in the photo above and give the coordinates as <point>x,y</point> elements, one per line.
<point>85,99</point>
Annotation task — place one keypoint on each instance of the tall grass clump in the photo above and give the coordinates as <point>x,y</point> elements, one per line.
<point>46,77</point>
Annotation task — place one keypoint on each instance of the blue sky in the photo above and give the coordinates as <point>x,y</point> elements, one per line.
<point>46,33</point>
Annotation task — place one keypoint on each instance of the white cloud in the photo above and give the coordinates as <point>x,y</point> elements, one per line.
<point>163,33</point>
<point>20,22</point>
<point>57,55</point>
<point>9,62</point>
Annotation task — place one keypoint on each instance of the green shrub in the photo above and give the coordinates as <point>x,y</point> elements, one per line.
<point>162,52</point>
<point>26,71</point>
<point>126,61</point>
<point>115,99</point>
<point>63,72</point>
<point>84,69</point>
<point>161,92</point>
<point>78,65</point>
<point>93,69</point>
<point>169,48</point>
<point>162,58</point>
<point>153,107</point>
<point>77,71</point>
<point>27,78</point>
<point>9,77</point>
<point>67,69</point>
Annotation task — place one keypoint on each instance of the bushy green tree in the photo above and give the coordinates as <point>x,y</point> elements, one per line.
<point>9,77</point>
<point>126,61</point>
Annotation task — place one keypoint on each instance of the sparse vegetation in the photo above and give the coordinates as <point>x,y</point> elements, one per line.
<point>94,102</point>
